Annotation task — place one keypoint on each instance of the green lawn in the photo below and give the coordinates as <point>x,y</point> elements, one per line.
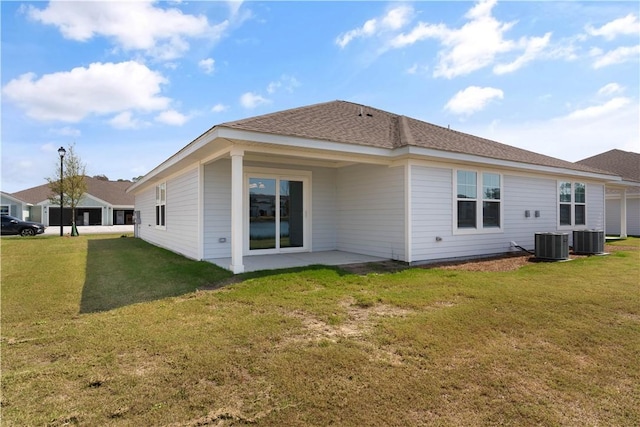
<point>103,330</point>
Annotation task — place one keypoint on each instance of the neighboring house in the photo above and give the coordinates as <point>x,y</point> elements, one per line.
<point>347,177</point>
<point>11,205</point>
<point>104,203</point>
<point>623,198</point>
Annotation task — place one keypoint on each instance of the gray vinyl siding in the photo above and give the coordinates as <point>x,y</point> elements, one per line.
<point>633,216</point>
<point>595,206</point>
<point>217,209</point>
<point>532,194</point>
<point>370,211</point>
<point>217,206</point>
<point>87,201</point>
<point>432,215</point>
<point>17,210</point>
<point>613,216</point>
<point>431,211</point>
<point>181,233</point>
<point>323,209</point>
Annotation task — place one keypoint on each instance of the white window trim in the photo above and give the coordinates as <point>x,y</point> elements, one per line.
<point>573,204</point>
<point>480,229</point>
<point>159,202</point>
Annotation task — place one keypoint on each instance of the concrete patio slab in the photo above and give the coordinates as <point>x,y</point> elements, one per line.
<point>279,261</point>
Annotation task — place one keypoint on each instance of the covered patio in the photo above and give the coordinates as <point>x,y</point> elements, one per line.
<point>301,259</point>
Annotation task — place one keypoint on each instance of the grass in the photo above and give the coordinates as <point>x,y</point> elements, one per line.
<point>102,330</point>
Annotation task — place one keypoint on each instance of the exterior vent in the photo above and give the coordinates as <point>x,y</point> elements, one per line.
<point>588,241</point>
<point>552,246</point>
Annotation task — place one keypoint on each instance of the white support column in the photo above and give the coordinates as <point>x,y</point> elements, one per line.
<point>408,219</point>
<point>237,190</point>
<point>201,211</point>
<point>623,214</point>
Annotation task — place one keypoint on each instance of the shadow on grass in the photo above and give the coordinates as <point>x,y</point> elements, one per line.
<point>124,271</point>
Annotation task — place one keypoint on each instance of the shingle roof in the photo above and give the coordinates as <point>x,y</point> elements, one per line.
<point>113,192</point>
<point>623,163</point>
<point>347,122</point>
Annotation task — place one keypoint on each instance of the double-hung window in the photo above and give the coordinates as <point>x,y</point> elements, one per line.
<point>4,209</point>
<point>478,201</point>
<point>161,205</point>
<point>572,204</point>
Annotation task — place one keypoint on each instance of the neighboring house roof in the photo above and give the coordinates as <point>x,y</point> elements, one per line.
<point>12,197</point>
<point>351,123</point>
<point>113,192</point>
<point>623,163</point>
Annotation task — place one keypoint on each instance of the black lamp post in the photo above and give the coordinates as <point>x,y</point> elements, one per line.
<point>61,152</point>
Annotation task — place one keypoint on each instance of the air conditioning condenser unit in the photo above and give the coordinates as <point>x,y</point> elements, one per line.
<point>552,246</point>
<point>588,242</point>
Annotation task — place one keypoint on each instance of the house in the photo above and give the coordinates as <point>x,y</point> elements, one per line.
<point>622,204</point>
<point>10,205</point>
<point>104,203</point>
<point>340,176</point>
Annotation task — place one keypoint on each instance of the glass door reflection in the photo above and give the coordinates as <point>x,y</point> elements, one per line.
<point>291,214</point>
<point>262,213</point>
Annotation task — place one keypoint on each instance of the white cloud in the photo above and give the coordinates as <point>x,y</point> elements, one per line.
<point>617,56</point>
<point>610,89</point>
<point>474,45</point>
<point>533,47</point>
<point>172,117</point>
<point>49,147</point>
<point>597,111</point>
<point>575,136</point>
<point>102,88</point>
<point>125,120</point>
<point>219,108</point>
<point>417,69</point>
<point>138,25</point>
<point>252,100</point>
<point>289,84</point>
<point>420,32</point>
<point>629,25</point>
<point>207,65</point>
<point>472,99</point>
<point>394,19</point>
<point>66,131</point>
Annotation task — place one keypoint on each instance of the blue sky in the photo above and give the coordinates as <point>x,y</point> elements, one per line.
<point>131,83</point>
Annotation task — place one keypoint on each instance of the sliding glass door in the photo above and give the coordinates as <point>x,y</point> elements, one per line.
<point>276,213</point>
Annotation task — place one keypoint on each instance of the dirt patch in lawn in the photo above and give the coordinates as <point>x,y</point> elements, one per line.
<point>358,321</point>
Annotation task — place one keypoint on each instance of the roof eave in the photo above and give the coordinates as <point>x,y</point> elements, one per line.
<point>172,161</point>
<point>237,135</point>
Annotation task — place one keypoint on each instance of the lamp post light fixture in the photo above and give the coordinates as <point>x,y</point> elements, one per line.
<point>61,152</point>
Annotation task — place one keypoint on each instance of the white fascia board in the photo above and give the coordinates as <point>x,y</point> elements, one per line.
<point>191,148</point>
<point>387,154</point>
<point>623,184</point>
<point>460,157</point>
<point>306,143</point>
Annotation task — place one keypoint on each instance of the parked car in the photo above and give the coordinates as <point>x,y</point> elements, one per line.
<point>13,225</point>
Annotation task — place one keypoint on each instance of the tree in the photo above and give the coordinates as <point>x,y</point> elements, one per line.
<point>101,177</point>
<point>73,185</point>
